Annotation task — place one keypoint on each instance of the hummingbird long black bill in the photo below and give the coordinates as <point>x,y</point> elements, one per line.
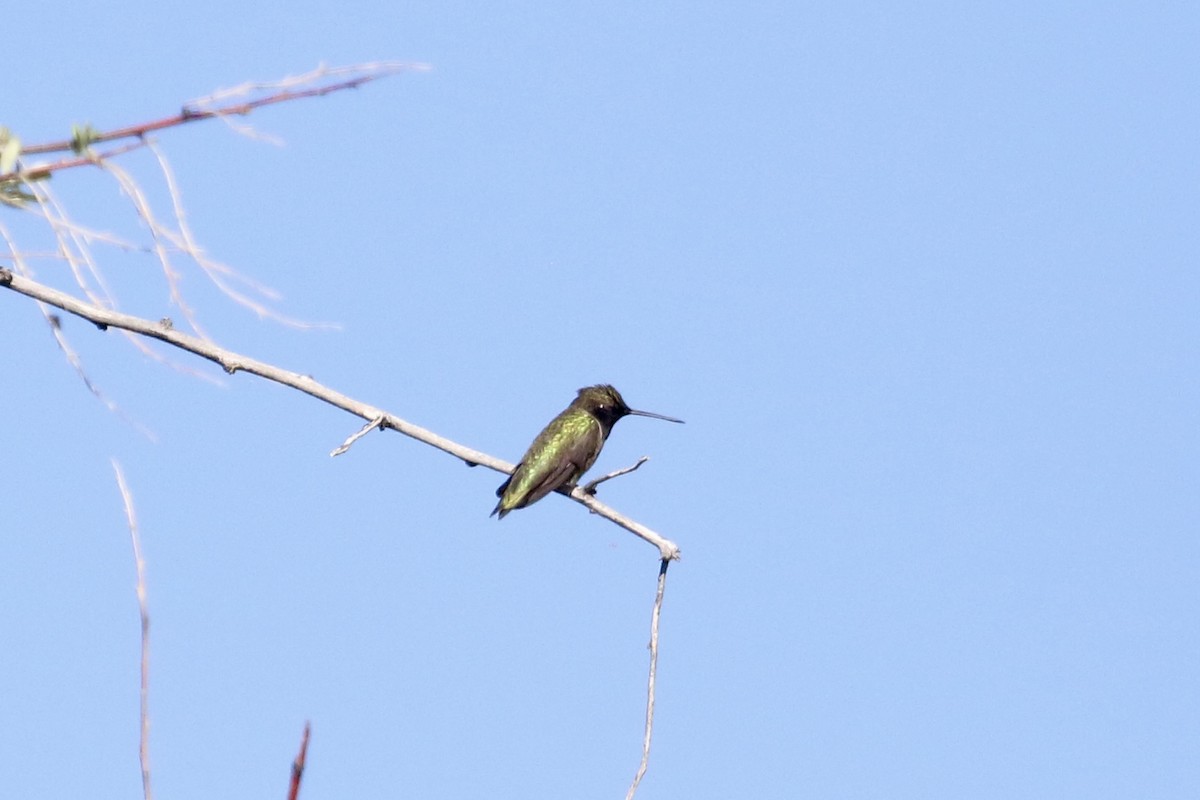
<point>654,416</point>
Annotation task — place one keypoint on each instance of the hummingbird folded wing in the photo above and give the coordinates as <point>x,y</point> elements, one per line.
<point>558,457</point>
<point>559,475</point>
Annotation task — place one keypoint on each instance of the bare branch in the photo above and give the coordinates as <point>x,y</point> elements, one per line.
<point>69,353</point>
<point>39,170</point>
<point>167,240</point>
<point>298,764</point>
<point>74,241</point>
<point>141,205</point>
<point>75,245</point>
<point>220,274</point>
<point>143,610</point>
<point>658,601</point>
<point>590,486</point>
<point>233,362</point>
<point>363,74</point>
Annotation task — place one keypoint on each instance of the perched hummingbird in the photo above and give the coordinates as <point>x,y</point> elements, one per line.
<point>566,448</point>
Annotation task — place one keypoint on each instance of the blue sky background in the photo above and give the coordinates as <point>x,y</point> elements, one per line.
<point>922,279</point>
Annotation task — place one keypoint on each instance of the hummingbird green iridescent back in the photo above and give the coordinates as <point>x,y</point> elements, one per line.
<point>566,448</point>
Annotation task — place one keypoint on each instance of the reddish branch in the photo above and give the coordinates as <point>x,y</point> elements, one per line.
<point>298,764</point>
<point>42,170</point>
<point>185,115</point>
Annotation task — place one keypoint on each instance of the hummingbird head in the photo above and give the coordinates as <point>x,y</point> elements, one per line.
<point>605,403</point>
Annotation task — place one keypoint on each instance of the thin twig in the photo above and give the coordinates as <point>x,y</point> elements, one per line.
<point>370,426</point>
<point>74,242</point>
<point>220,274</point>
<point>69,353</point>
<point>192,113</point>
<point>658,601</point>
<point>75,245</point>
<point>233,362</point>
<point>298,764</point>
<point>38,170</point>
<point>143,611</point>
<point>590,486</point>
<point>141,205</point>
<point>168,241</point>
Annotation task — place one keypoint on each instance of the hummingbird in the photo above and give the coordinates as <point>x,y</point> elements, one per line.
<point>566,448</point>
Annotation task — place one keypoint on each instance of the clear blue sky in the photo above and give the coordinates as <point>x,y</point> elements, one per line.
<point>921,278</point>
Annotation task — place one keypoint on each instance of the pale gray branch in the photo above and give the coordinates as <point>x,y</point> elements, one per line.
<point>144,613</point>
<point>233,362</point>
<point>654,617</point>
